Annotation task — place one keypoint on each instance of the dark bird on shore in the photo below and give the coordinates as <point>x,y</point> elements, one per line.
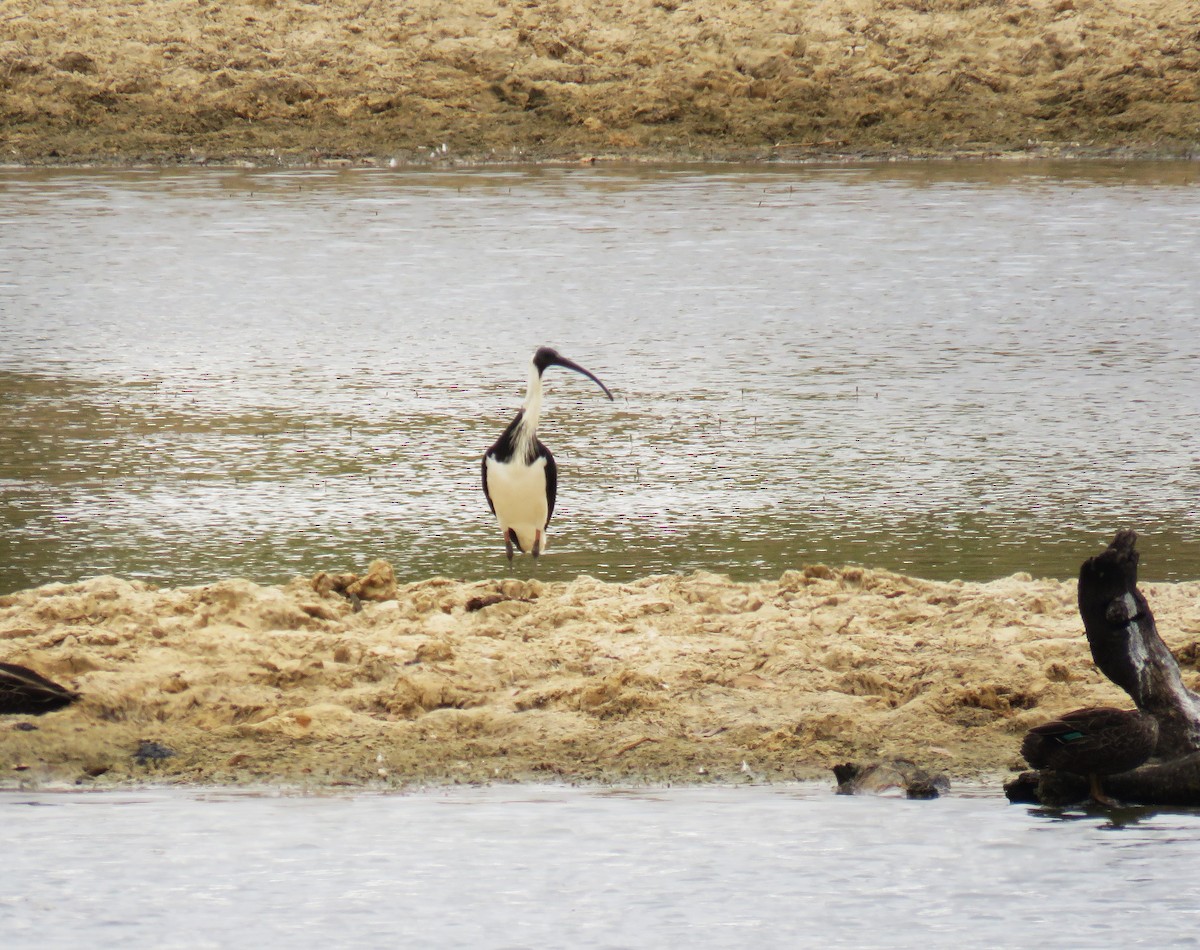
<point>520,479</point>
<point>26,693</point>
<point>1095,741</point>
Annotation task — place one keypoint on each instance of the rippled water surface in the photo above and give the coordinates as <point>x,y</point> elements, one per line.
<point>557,867</point>
<point>950,370</point>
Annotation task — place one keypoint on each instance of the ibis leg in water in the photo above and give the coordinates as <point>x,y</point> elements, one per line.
<point>520,479</point>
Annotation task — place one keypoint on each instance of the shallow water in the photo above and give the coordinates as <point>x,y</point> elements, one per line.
<point>952,370</point>
<point>543,867</point>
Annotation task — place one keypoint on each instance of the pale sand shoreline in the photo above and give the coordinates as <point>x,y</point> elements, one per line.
<point>676,679</point>
<point>273,82</point>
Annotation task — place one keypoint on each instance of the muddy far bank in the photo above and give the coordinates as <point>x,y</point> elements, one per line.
<point>494,80</point>
<point>678,679</point>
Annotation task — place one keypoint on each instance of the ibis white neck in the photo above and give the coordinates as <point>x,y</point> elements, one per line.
<point>533,397</point>
<point>531,410</point>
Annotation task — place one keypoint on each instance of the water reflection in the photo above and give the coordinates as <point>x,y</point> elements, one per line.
<point>539,866</point>
<point>953,370</point>
<point>1161,819</point>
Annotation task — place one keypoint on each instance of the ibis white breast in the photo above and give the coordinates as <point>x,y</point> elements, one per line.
<point>518,493</point>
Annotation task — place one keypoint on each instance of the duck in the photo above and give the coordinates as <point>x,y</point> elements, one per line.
<point>1094,741</point>
<point>26,693</point>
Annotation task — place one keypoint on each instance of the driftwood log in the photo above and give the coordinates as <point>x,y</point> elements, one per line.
<point>880,778</point>
<point>1127,648</point>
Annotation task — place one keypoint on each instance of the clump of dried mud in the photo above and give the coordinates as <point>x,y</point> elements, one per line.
<point>669,679</point>
<point>497,80</point>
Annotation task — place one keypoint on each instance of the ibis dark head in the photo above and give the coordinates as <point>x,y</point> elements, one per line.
<point>548,356</point>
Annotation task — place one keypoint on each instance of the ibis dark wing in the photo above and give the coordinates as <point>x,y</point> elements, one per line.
<point>551,480</point>
<point>501,451</point>
<point>486,493</point>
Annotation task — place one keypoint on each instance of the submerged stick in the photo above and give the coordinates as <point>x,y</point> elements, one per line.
<point>1127,648</point>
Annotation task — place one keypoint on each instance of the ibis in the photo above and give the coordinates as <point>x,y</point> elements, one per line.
<point>520,479</point>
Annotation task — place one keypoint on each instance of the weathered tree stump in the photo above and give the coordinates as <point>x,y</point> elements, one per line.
<point>1128,650</point>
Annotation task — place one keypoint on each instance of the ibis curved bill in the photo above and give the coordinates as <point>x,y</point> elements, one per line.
<point>520,478</point>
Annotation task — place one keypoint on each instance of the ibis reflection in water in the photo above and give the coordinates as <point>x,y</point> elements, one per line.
<point>520,478</point>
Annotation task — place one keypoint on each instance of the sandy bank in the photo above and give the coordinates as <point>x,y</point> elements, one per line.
<point>673,678</point>
<point>275,80</point>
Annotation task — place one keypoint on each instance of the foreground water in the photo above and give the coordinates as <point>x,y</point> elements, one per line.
<point>952,370</point>
<point>544,867</point>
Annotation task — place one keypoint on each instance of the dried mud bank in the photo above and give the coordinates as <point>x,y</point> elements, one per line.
<point>678,679</point>
<point>499,80</point>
